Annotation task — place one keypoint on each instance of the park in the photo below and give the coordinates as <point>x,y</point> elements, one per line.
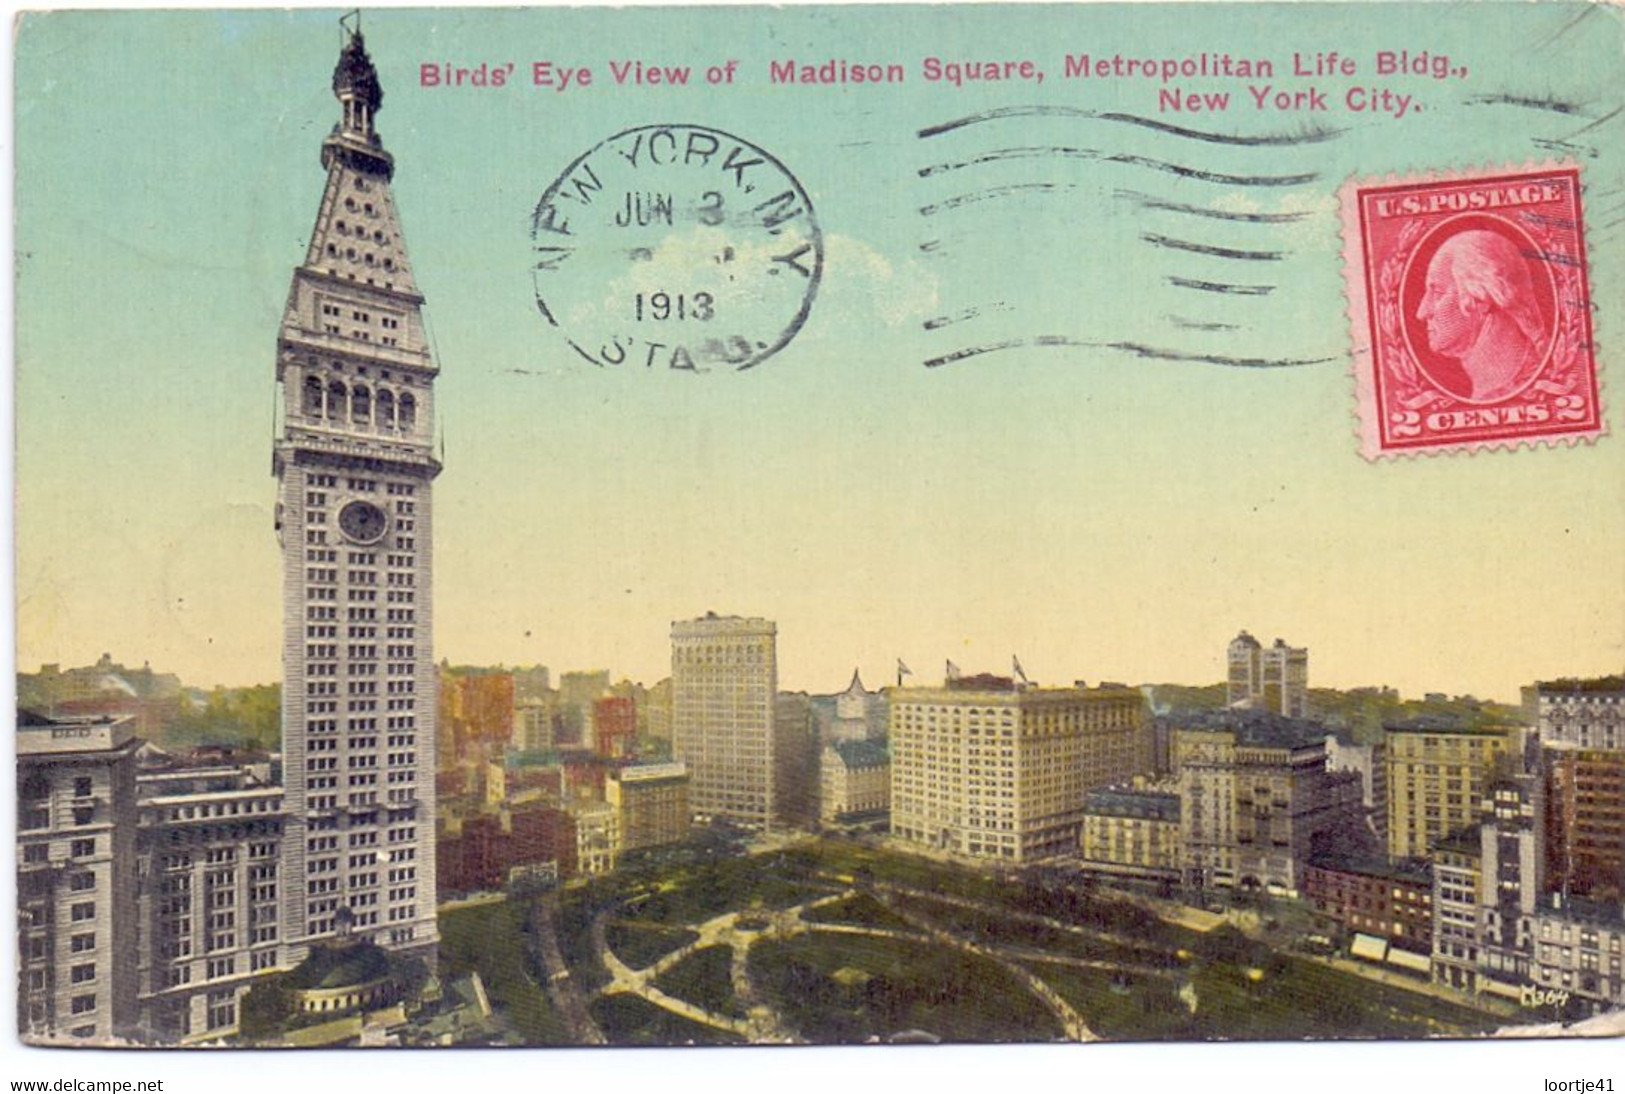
<point>840,941</point>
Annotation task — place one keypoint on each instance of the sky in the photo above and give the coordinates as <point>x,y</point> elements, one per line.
<point>1100,513</point>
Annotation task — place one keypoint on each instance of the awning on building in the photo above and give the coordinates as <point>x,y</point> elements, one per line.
<point>1405,959</point>
<point>1370,947</point>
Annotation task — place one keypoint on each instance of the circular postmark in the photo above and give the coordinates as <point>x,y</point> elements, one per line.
<point>676,247</point>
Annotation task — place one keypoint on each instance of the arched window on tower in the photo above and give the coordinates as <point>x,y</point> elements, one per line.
<point>386,408</point>
<point>409,411</point>
<point>335,401</point>
<point>313,397</point>
<point>360,405</point>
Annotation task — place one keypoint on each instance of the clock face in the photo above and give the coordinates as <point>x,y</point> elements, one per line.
<point>363,522</point>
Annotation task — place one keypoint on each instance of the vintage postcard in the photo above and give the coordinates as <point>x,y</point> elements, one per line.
<point>863,525</point>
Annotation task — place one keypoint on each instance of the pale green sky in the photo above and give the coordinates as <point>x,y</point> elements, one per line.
<point>1102,515</point>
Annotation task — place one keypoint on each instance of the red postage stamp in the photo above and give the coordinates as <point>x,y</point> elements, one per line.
<point>1470,301</point>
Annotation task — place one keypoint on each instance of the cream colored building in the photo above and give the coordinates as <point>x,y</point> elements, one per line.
<point>535,722</point>
<point>652,803</point>
<point>1256,798</point>
<point>209,848</point>
<point>1436,778</point>
<point>598,837</point>
<point>76,878</point>
<point>999,771</point>
<point>1273,678</point>
<point>1580,948</point>
<point>724,683</point>
<point>855,782</point>
<point>1583,713</point>
<point>1133,831</point>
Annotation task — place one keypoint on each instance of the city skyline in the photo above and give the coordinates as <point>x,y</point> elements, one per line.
<point>883,673</point>
<point>434,857</point>
<point>873,507</point>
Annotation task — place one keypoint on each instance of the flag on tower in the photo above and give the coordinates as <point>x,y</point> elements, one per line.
<point>902,671</point>
<point>953,671</point>
<point>1015,663</point>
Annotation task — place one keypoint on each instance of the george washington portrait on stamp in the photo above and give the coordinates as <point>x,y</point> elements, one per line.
<point>1469,296</point>
<point>1479,308</point>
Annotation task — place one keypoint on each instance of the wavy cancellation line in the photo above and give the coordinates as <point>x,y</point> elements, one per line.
<point>1137,349</point>
<point>1309,134</point>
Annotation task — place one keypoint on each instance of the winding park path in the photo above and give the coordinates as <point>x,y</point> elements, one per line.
<point>560,988</point>
<point>762,1024</point>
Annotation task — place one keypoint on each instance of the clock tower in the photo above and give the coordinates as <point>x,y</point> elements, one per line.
<point>354,464</point>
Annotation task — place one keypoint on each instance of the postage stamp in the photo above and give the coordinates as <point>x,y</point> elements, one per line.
<point>1470,305</point>
<point>676,247</point>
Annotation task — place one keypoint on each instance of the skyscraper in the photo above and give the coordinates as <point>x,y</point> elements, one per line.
<point>354,464</point>
<point>1437,774</point>
<point>724,681</point>
<point>76,878</point>
<point>986,768</point>
<point>1273,678</point>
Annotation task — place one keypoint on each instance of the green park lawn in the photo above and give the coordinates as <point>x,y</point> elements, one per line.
<point>641,944</point>
<point>628,1020</point>
<point>702,978</point>
<point>843,987</point>
<point>494,941</point>
<point>850,988</point>
<point>859,910</point>
<point>990,928</point>
<point>1299,999</point>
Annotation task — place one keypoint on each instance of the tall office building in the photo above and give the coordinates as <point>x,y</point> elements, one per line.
<point>986,768</point>
<point>1584,805</point>
<point>1257,800</point>
<point>208,850</point>
<point>795,761</point>
<point>1512,862</point>
<point>1437,774</point>
<point>1273,678</point>
<point>1581,727</point>
<point>652,800</point>
<point>724,682</point>
<point>354,464</point>
<point>76,878</point>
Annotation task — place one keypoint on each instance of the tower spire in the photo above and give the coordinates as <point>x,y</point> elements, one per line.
<point>355,460</point>
<point>356,86</point>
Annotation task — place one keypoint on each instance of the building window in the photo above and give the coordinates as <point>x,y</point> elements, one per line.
<point>222,1010</point>
<point>84,1004</point>
<point>83,911</point>
<point>84,974</point>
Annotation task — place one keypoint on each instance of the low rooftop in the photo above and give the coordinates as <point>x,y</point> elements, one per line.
<point>1127,801</point>
<point>1593,684</point>
<point>862,753</point>
<point>1413,871</point>
<point>1254,728</point>
<point>1444,727</point>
